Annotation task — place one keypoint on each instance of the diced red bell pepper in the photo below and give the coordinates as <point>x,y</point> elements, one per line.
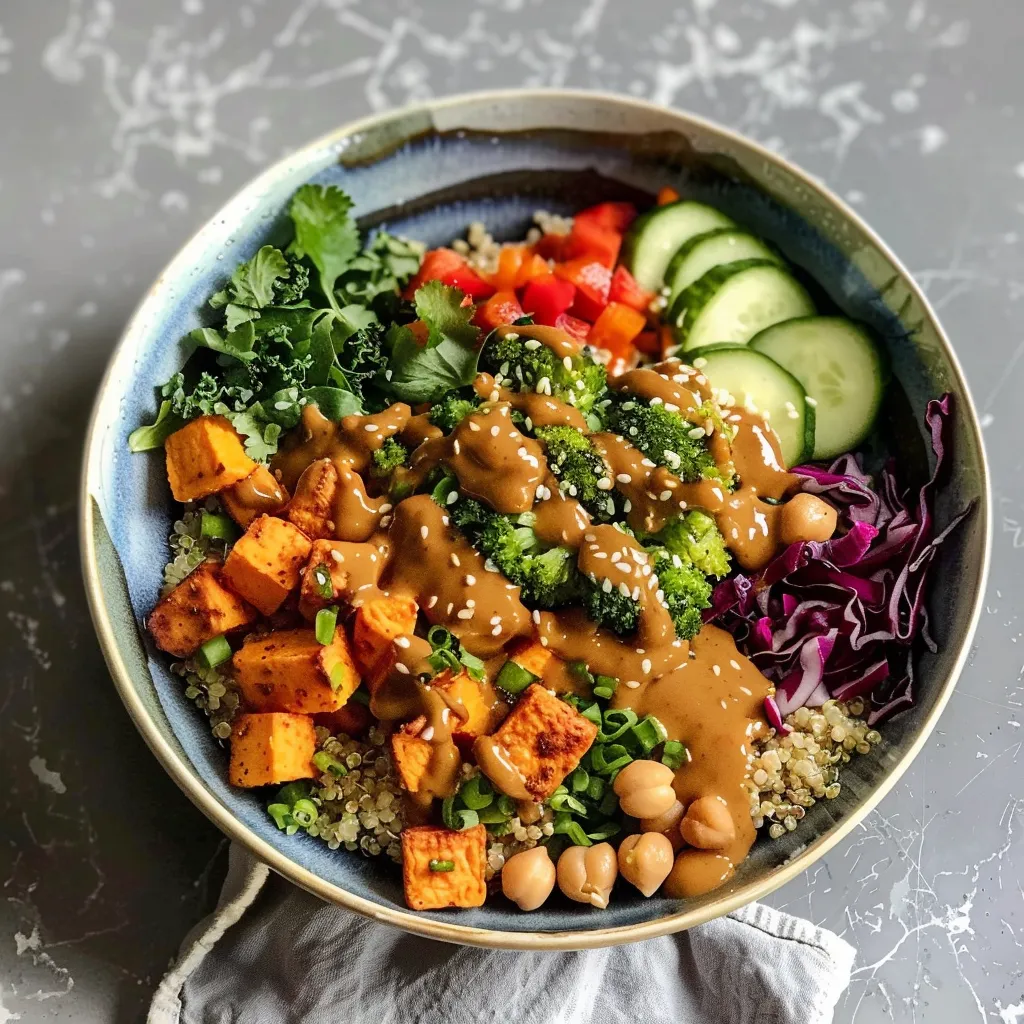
<point>614,331</point>
<point>590,239</point>
<point>534,266</point>
<point>624,289</point>
<point>448,267</point>
<point>667,195</point>
<point>551,245</point>
<point>501,308</point>
<point>578,329</point>
<point>592,280</point>
<point>547,297</point>
<point>613,216</point>
<point>648,342</point>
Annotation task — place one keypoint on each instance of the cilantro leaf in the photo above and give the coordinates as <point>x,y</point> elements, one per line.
<point>259,438</point>
<point>252,284</point>
<point>166,423</point>
<point>325,232</point>
<point>423,373</point>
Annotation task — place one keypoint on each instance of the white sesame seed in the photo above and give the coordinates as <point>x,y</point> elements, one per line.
<point>624,588</point>
<point>606,586</point>
<point>536,616</point>
<point>623,478</point>
<point>404,669</point>
<point>371,427</point>
<point>465,613</point>
<point>474,426</point>
<point>567,362</point>
<point>495,430</point>
<point>665,496</point>
<point>453,496</point>
<point>725,707</point>
<point>428,733</point>
<point>454,558</point>
<point>494,395</point>
<point>432,601</point>
<point>717,669</point>
<point>645,665</point>
<point>632,684</point>
<point>543,641</point>
<point>496,631</point>
<point>469,579</point>
<point>495,619</point>
<point>604,484</point>
<point>456,447</point>
<point>448,610</point>
<point>531,344</point>
<point>424,532</point>
<point>402,641</point>
<point>337,556</point>
<point>735,664</point>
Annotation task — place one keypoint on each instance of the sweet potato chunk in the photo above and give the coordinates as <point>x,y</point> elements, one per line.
<point>474,700</point>
<point>377,623</point>
<point>264,564</point>
<point>412,758</point>
<point>353,719</point>
<point>271,748</point>
<point>345,568</point>
<point>531,655</point>
<point>196,610</point>
<point>312,506</point>
<point>258,494</point>
<point>289,671</point>
<point>545,739</point>
<point>443,868</point>
<point>204,457</point>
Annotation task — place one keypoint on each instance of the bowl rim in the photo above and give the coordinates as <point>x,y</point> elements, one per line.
<point>185,775</point>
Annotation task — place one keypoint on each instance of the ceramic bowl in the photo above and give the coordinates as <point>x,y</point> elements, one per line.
<point>427,172</point>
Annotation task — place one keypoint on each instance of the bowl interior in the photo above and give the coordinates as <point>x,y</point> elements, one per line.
<point>428,174</point>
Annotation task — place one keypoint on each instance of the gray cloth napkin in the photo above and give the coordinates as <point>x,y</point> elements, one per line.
<point>271,952</point>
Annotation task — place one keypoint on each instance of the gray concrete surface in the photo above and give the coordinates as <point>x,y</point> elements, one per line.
<point>125,124</point>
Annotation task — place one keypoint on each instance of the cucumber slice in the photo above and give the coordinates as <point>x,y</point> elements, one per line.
<point>758,382</point>
<point>700,254</point>
<point>657,236</point>
<point>841,369</point>
<point>733,302</point>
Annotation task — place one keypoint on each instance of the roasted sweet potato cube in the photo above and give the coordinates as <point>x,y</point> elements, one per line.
<point>531,655</point>
<point>258,494</point>
<point>196,610</point>
<point>312,506</point>
<point>271,748</point>
<point>344,568</point>
<point>353,719</point>
<point>265,563</point>
<point>412,758</point>
<point>377,623</point>
<point>443,868</point>
<point>473,713</point>
<point>288,670</point>
<point>205,456</point>
<point>545,739</point>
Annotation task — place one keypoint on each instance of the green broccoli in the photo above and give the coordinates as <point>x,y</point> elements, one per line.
<point>686,591</point>
<point>695,539</point>
<point>388,457</point>
<point>524,364</point>
<point>452,409</point>
<point>581,471</point>
<point>609,607</point>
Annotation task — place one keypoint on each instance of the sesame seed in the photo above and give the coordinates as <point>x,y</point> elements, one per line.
<point>371,427</point>
<point>424,532</point>
<point>623,478</point>
<point>402,641</point>
<point>495,619</point>
<point>497,630</point>
<point>624,589</point>
<point>495,430</point>
<point>543,641</point>
<point>456,447</point>
<point>454,558</point>
<point>337,556</point>
<point>735,664</point>
<point>604,484</point>
<point>645,665</point>
<point>567,362</point>
<point>717,669</point>
<point>695,433</point>
<point>432,601</point>
<point>453,496</point>
<point>473,425</point>
<point>606,586</point>
<point>448,610</point>
<point>404,669</point>
<point>469,579</point>
<point>531,344</point>
<point>465,613</point>
<point>725,707</point>
<point>657,401</point>
<point>536,616</point>
<point>665,496</point>
<point>428,733</point>
<point>632,684</point>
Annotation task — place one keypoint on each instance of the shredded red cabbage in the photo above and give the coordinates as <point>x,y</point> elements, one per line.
<point>839,618</point>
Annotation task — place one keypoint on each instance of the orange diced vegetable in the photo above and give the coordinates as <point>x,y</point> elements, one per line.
<point>544,738</point>
<point>412,759</point>
<point>264,564</point>
<point>312,506</point>
<point>593,240</point>
<point>257,494</point>
<point>501,308</point>
<point>535,266</point>
<point>667,195</point>
<point>473,714</point>
<point>268,749</point>
<point>353,719</point>
<point>531,655</point>
<point>614,331</point>
<point>625,289</point>
<point>205,456</point>
<point>444,868</point>
<point>448,267</point>
<point>289,670</point>
<point>510,259</point>
<point>377,623</point>
<point>196,610</point>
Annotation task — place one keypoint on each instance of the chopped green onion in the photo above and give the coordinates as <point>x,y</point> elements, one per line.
<point>214,652</point>
<point>605,831</point>
<point>609,804</point>
<point>573,830</point>
<point>457,819</point>
<point>565,801</point>
<point>675,754</point>
<point>442,865</point>
<point>305,812</point>
<point>492,815</point>
<point>581,672</point>
<point>445,487</point>
<point>500,828</point>
<point>648,733</point>
<point>596,788</point>
<point>293,793</point>
<point>605,686</point>
<point>514,678</point>
<point>609,758</point>
<point>281,813</point>
<point>472,664</point>
<point>440,638</point>
<point>322,579</point>
<point>615,724</point>
<point>337,676</point>
<point>217,526</point>
<point>593,713</point>
<point>329,765</point>
<point>477,793</point>
<point>326,620</point>
<point>506,805</point>
<point>579,780</point>
<point>442,660</point>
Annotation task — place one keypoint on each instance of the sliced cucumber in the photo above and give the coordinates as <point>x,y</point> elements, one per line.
<point>733,302</point>
<point>700,254</point>
<point>757,382</point>
<point>840,368</point>
<point>657,236</point>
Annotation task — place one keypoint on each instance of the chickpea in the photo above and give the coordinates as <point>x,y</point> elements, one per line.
<point>667,824</point>
<point>644,789</point>
<point>646,860</point>
<point>528,878</point>
<point>708,824</point>
<point>586,874</point>
<point>806,517</point>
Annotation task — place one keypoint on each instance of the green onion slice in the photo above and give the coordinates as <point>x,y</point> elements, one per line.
<point>326,621</point>
<point>648,733</point>
<point>214,652</point>
<point>323,581</point>
<point>217,526</point>
<point>442,865</point>
<point>305,812</point>
<point>477,793</point>
<point>329,765</point>
<point>615,724</point>
<point>675,754</point>
<point>514,678</point>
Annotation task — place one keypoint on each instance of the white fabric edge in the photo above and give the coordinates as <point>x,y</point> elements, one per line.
<point>245,878</point>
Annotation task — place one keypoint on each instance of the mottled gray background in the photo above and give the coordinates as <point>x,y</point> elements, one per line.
<point>125,123</point>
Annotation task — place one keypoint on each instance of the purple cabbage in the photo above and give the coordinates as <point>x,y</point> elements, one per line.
<point>839,618</point>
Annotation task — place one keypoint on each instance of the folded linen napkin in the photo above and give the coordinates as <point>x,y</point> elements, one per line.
<point>271,952</point>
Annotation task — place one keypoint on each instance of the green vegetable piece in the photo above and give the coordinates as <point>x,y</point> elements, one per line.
<point>608,758</point>
<point>513,678</point>
<point>579,780</point>
<point>566,801</point>
<point>564,824</point>
<point>674,754</point>
<point>322,580</point>
<point>144,439</point>
<point>214,652</point>
<point>477,793</point>
<point>605,831</point>
<point>217,526</point>
<point>648,733</point>
<point>615,724</point>
<point>326,621</point>
<point>305,812</point>
<point>325,232</point>
<point>281,813</point>
<point>329,765</point>
<point>293,792</point>
<point>441,865</point>
<point>596,788</point>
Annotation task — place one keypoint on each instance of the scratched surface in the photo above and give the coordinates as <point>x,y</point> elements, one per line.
<point>126,124</point>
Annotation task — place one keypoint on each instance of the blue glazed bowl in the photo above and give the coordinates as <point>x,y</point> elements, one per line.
<point>427,172</point>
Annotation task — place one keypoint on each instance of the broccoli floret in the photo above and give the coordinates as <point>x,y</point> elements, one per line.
<point>696,539</point>
<point>610,609</point>
<point>579,468</point>
<point>388,457</point>
<point>524,364</point>
<point>451,410</point>
<point>687,592</point>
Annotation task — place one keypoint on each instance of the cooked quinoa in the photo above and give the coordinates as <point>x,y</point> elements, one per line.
<point>189,549</point>
<point>792,772</point>
<point>481,250</point>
